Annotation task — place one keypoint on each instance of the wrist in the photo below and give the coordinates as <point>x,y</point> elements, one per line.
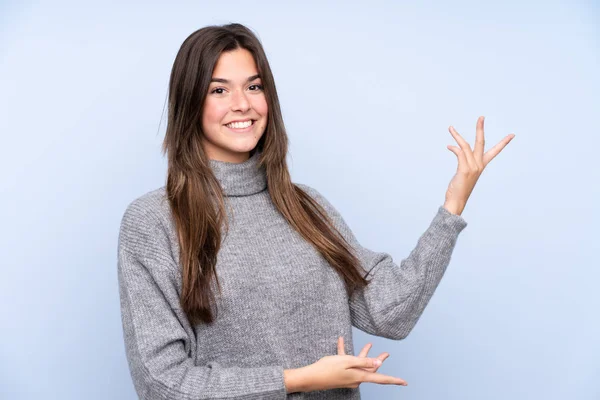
<point>454,208</point>
<point>294,380</point>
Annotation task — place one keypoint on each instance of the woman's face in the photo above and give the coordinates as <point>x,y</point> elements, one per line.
<point>235,94</point>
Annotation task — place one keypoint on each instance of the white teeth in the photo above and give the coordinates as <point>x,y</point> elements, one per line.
<point>239,125</point>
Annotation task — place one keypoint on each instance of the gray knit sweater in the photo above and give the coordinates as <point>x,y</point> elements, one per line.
<point>282,305</point>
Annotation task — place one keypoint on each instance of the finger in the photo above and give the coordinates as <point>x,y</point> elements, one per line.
<point>383,379</point>
<point>479,141</point>
<point>465,147</point>
<point>365,350</point>
<point>360,362</point>
<point>341,350</point>
<point>462,160</point>
<point>493,152</point>
<point>381,357</point>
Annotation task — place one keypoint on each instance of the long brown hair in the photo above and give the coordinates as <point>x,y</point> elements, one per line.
<point>195,195</point>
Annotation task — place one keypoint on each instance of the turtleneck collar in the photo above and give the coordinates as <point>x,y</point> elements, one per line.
<point>240,179</point>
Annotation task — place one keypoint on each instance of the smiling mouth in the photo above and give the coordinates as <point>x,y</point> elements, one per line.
<point>241,126</point>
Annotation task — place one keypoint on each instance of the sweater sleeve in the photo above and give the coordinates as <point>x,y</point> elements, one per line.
<point>391,304</point>
<point>158,337</point>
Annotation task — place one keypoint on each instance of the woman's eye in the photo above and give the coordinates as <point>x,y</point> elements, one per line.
<point>220,90</point>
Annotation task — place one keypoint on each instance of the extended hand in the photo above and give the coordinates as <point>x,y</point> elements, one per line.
<point>470,166</point>
<point>338,371</point>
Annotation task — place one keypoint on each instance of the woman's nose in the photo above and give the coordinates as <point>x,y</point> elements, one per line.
<point>240,102</point>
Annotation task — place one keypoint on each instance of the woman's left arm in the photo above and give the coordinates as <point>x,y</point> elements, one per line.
<point>396,296</point>
<point>391,304</point>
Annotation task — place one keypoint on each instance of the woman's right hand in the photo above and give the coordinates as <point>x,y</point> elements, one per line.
<point>343,371</point>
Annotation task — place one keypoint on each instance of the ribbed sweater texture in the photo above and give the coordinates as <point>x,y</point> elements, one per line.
<point>282,305</point>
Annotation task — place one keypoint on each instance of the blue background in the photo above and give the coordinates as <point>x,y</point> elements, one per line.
<point>368,91</point>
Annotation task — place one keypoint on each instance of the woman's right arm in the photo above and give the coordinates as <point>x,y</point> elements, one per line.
<point>158,337</point>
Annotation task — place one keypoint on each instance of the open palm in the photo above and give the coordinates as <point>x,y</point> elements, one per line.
<point>471,164</point>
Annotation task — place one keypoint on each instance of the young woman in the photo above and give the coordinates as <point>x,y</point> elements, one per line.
<point>235,282</point>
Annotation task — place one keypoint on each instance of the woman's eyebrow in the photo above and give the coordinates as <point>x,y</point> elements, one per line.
<point>250,79</point>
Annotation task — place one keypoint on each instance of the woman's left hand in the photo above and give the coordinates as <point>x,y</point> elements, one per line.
<point>470,166</point>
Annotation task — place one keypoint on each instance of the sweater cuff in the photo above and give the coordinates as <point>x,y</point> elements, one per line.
<point>452,223</point>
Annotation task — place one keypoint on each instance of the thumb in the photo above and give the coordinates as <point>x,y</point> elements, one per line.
<point>340,343</point>
<point>454,149</point>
